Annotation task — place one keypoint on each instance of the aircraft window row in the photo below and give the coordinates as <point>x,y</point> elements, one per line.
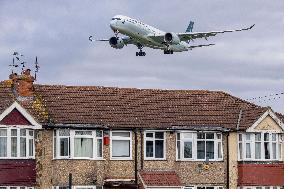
<point>116,19</point>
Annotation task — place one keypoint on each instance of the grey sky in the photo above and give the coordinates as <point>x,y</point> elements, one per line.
<point>245,64</point>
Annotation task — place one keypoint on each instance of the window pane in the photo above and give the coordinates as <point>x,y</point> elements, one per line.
<point>273,137</point>
<point>64,147</point>
<point>121,148</point>
<point>220,155</point>
<point>159,149</point>
<point>187,135</point>
<point>257,150</point>
<point>22,147</point>
<point>241,150</point>
<point>210,136</point>
<point>247,136</point>
<point>267,150</point>
<point>149,149</point>
<point>13,132</point>
<point>219,136</point>
<point>200,150</point>
<point>266,136</point>
<point>64,132</point>
<point>274,150</point>
<point>83,133</point>
<point>3,146</point>
<point>200,135</point>
<point>3,132</point>
<point>178,136</point>
<point>99,148</point>
<point>14,146</point>
<point>210,149</point>
<point>23,132</point>
<point>83,147</point>
<point>121,134</point>
<point>240,137</point>
<point>99,133</point>
<point>31,147</point>
<point>159,135</point>
<point>248,150</point>
<point>150,135</point>
<point>258,137</point>
<point>187,150</point>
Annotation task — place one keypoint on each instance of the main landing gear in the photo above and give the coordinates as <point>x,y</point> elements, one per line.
<point>168,51</point>
<point>140,53</point>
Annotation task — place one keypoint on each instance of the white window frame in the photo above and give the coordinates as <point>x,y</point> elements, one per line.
<point>252,142</point>
<point>120,138</point>
<point>154,140</point>
<point>27,138</point>
<point>194,146</point>
<point>72,136</point>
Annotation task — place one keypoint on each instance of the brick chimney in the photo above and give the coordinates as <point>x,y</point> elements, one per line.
<point>22,85</point>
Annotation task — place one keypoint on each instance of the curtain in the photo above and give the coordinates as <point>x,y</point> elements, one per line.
<point>257,150</point>
<point>23,146</point>
<point>248,150</point>
<point>83,147</point>
<point>187,152</point>
<point>99,148</point>
<point>121,148</point>
<point>3,146</point>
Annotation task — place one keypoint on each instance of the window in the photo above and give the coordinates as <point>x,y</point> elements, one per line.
<point>16,143</point>
<point>259,146</point>
<point>121,145</point>
<point>154,145</point>
<point>78,144</point>
<point>199,146</point>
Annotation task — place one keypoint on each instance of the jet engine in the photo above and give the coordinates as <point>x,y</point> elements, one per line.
<point>171,38</point>
<point>116,42</point>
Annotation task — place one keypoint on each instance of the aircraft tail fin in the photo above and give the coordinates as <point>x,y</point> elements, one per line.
<point>190,27</point>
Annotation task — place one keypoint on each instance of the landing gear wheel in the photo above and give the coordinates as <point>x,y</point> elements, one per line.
<point>168,51</point>
<point>140,53</point>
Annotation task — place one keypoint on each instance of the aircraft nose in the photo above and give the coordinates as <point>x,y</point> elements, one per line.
<point>113,24</point>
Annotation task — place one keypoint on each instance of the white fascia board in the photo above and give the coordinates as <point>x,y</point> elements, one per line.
<point>23,111</point>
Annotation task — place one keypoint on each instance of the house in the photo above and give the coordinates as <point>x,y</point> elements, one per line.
<point>109,137</point>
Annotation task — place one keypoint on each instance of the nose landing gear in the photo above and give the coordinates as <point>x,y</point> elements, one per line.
<point>140,53</point>
<point>168,51</point>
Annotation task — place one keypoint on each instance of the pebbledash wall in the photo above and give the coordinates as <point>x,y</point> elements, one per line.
<point>250,137</point>
<point>52,172</point>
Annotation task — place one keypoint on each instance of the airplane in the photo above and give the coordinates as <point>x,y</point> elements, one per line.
<point>143,35</point>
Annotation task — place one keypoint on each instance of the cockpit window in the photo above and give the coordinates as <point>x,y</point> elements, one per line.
<point>116,19</point>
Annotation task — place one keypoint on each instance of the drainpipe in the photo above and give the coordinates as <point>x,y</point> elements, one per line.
<point>228,165</point>
<point>136,171</point>
<point>141,149</point>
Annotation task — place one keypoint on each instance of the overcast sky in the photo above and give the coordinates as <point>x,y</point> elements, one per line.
<point>245,64</point>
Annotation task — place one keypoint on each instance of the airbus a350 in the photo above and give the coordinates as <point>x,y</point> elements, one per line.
<point>142,35</point>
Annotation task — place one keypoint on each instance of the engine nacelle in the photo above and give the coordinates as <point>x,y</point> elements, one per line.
<point>171,38</point>
<point>116,42</point>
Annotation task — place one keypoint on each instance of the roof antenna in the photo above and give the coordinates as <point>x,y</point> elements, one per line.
<point>13,65</point>
<point>36,67</point>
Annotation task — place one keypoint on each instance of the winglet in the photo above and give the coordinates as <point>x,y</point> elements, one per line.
<point>90,38</point>
<point>252,26</point>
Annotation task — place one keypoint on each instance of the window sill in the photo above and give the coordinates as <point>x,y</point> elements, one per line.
<point>155,159</point>
<point>120,159</point>
<point>91,159</point>
<point>198,160</point>
<point>17,158</point>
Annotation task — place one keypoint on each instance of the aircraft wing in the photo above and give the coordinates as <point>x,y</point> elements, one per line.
<point>194,46</point>
<point>195,35</point>
<point>126,40</point>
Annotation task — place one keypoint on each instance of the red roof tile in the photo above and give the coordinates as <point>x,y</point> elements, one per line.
<point>128,107</point>
<point>160,178</point>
